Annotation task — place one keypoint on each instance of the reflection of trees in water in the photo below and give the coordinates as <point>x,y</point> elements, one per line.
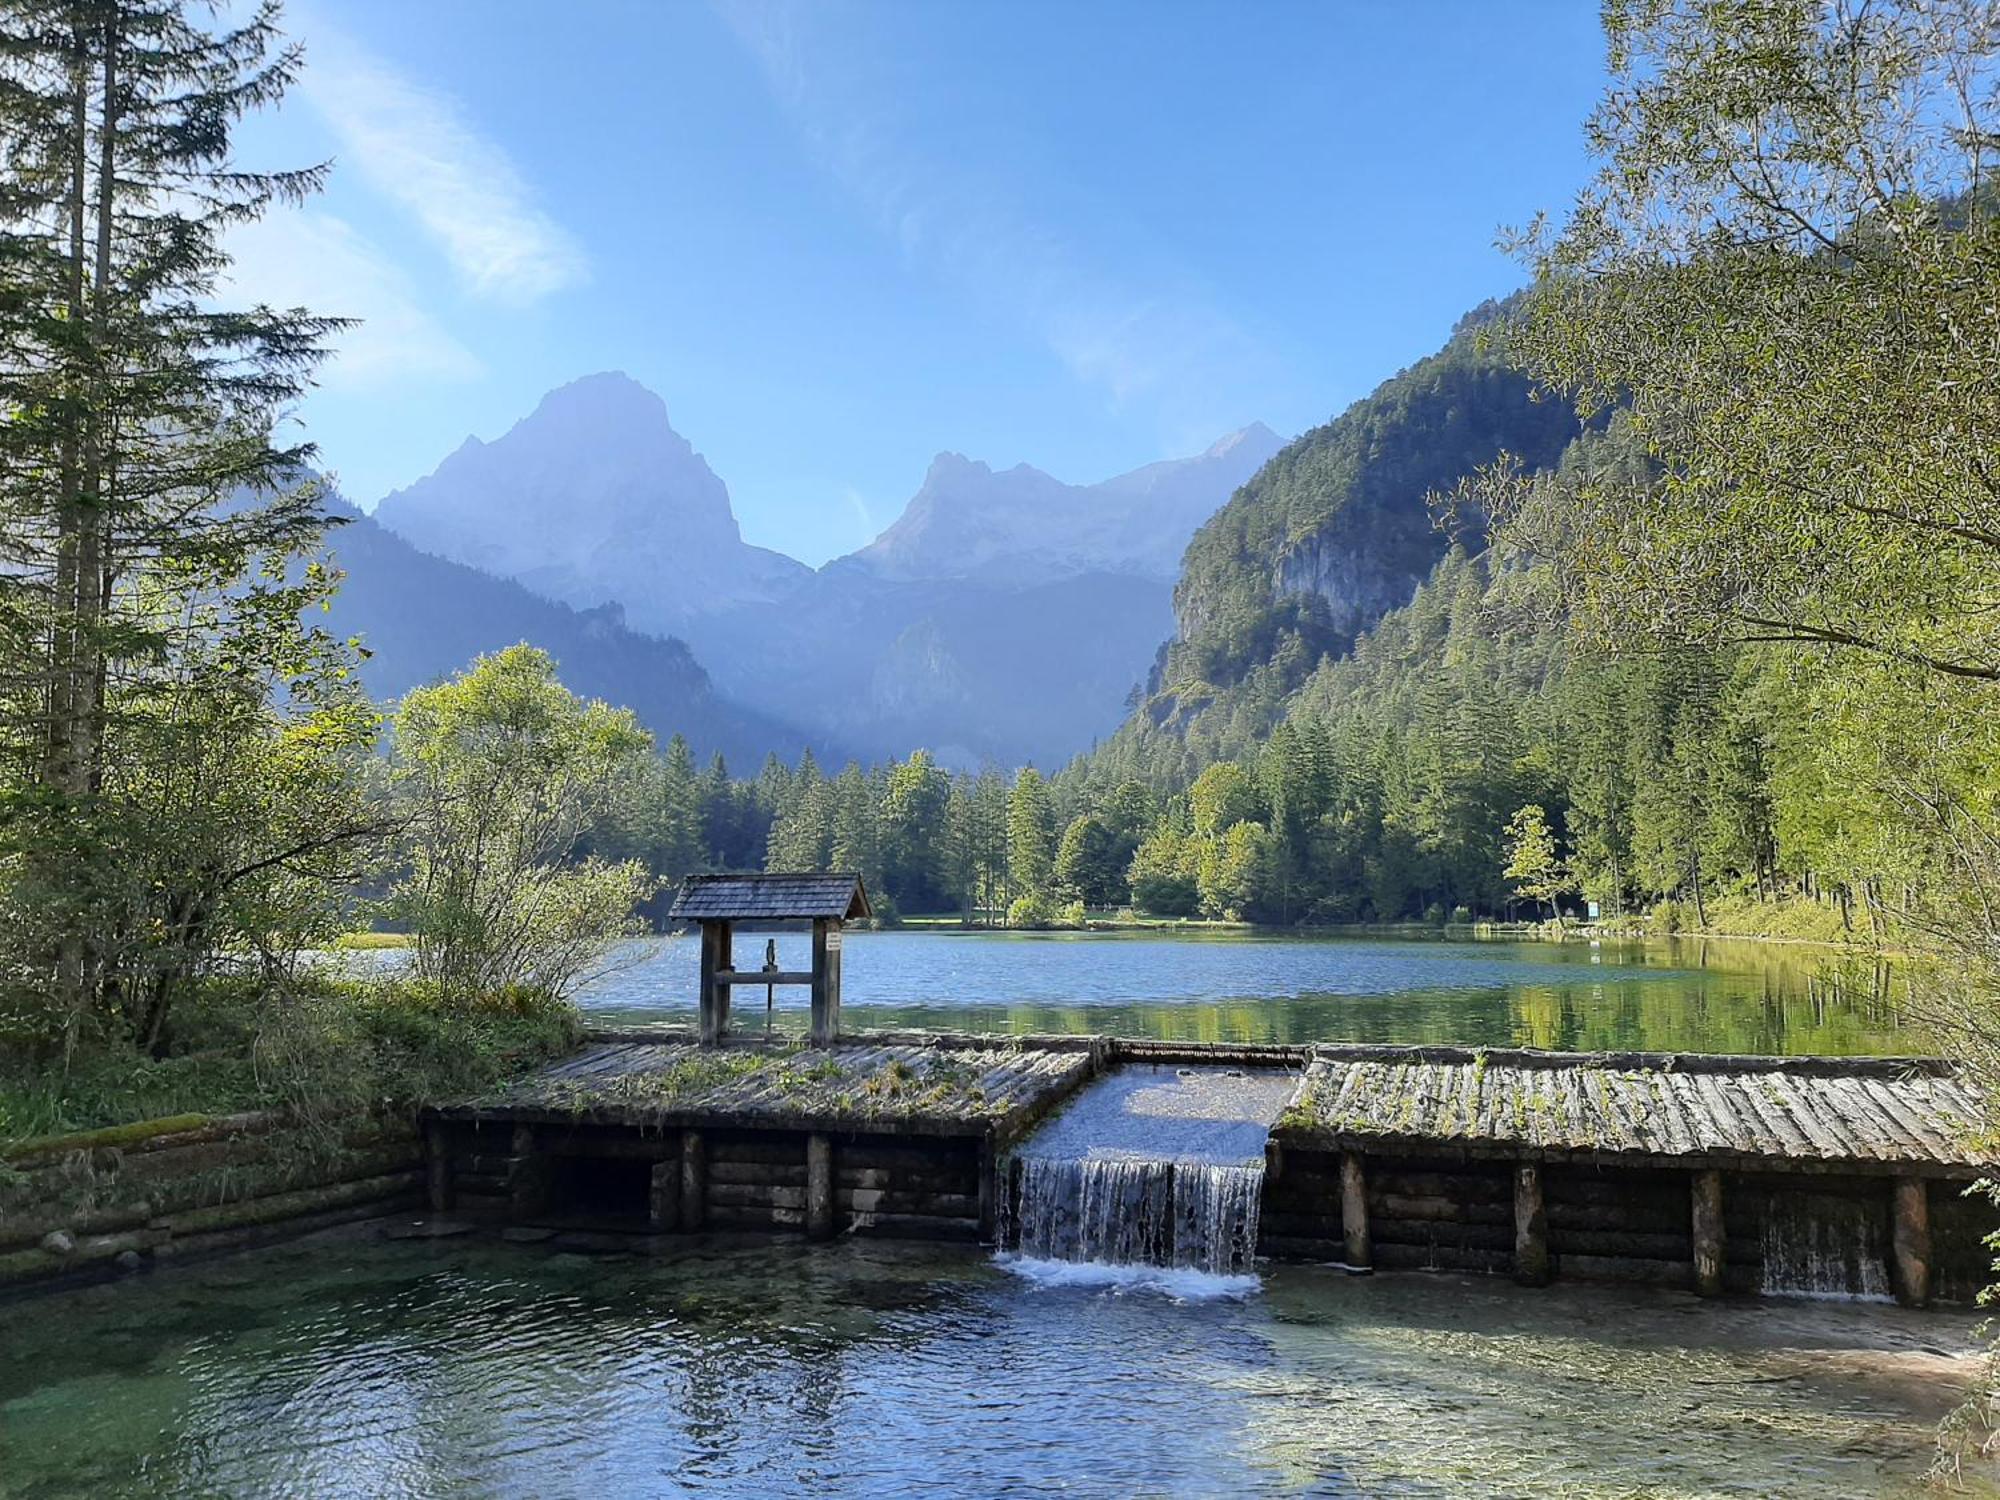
<point>717,1362</point>
<point>1707,995</point>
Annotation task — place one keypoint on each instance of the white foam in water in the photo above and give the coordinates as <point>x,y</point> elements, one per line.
<point>1181,1283</point>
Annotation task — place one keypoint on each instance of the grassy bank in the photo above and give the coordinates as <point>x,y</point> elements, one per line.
<point>330,1050</point>
<point>366,942</point>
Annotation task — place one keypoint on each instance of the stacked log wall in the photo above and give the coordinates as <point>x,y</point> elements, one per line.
<point>79,1210</point>
<point>1424,1213</point>
<point>922,1187</point>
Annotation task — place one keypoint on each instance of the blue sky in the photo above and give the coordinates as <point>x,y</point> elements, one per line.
<point>839,238</point>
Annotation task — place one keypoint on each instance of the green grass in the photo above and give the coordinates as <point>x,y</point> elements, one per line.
<point>328,1051</point>
<point>369,941</point>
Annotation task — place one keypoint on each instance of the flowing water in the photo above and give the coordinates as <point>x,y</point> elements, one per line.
<point>351,1366</point>
<point>1149,1166</point>
<point>1710,995</point>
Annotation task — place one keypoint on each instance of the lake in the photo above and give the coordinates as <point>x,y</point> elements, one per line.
<point>351,1366</point>
<point>1687,994</point>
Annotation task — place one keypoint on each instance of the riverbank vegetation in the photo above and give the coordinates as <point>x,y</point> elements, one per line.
<point>192,795</point>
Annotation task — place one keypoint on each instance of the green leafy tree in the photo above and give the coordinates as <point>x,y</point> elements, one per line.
<point>501,773</point>
<point>1165,874</point>
<point>914,834</point>
<point>1533,863</point>
<point>1785,271</point>
<point>1088,867</point>
<point>1222,796</point>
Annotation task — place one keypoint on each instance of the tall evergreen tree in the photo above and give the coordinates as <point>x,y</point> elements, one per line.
<point>150,527</point>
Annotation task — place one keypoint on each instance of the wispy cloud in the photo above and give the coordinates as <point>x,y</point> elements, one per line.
<point>312,259</point>
<point>1142,338</point>
<point>415,146</point>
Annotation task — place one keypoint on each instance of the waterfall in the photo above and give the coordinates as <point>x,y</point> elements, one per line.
<point>1149,1166</point>
<point>1193,1214</point>
<point>1823,1245</point>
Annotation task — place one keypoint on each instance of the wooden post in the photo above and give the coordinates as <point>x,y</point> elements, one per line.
<point>437,1164</point>
<point>1359,1246</point>
<point>819,1186</point>
<point>1706,1202</point>
<point>527,1175</point>
<point>1912,1241</point>
<point>1531,1227</point>
<point>714,998</point>
<point>826,982</point>
<point>988,1207</point>
<point>694,1180</point>
<point>663,1203</point>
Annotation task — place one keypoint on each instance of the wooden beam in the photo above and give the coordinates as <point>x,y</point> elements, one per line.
<point>819,1186</point>
<point>762,976</point>
<point>694,1180</point>
<point>1357,1246</point>
<point>1531,1227</point>
<point>1912,1242</point>
<point>1707,1224</point>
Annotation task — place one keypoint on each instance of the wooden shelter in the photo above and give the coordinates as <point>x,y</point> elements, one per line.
<point>722,904</point>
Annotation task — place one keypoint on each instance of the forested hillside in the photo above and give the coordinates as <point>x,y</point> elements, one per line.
<point>1335,529</point>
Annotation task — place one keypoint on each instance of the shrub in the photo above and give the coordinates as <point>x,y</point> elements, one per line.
<point>1669,917</point>
<point>1034,910</point>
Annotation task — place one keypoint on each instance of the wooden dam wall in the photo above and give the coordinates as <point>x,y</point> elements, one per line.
<point>1712,1173</point>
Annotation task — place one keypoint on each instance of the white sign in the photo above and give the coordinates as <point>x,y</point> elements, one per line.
<point>833,940</point>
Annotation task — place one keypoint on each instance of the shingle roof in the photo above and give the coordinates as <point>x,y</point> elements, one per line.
<point>788,898</point>
<point>1871,1113</point>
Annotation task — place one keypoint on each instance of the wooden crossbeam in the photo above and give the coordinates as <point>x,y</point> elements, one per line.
<point>762,976</point>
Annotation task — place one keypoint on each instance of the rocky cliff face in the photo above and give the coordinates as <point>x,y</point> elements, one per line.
<point>1336,529</point>
<point>1019,525</point>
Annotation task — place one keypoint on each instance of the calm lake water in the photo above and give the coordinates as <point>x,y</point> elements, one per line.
<point>1696,995</point>
<point>353,1366</point>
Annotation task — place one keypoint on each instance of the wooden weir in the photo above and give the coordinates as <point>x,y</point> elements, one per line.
<point>1672,1168</point>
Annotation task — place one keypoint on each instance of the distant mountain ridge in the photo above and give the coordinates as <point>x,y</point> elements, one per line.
<point>422,617</point>
<point>1021,525</point>
<point>594,498</point>
<point>1005,615</point>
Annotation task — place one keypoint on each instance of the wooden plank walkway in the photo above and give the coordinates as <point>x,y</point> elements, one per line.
<point>899,1087</point>
<point>1868,1115</point>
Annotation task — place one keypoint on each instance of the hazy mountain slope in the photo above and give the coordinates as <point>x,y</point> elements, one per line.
<point>422,617</point>
<point>974,671</point>
<point>593,497</point>
<point>1005,616</point>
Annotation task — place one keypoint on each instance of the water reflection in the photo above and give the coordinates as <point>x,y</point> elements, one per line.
<point>1691,994</point>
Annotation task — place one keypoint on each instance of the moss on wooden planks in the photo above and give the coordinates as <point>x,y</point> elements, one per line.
<point>938,1082</point>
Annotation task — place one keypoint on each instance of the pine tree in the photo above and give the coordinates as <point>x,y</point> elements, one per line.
<point>150,528</point>
<point>1030,835</point>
